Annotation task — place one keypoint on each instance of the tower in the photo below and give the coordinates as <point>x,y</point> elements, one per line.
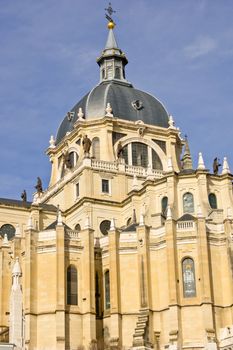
<point>138,255</point>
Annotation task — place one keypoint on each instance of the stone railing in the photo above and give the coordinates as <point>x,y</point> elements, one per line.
<point>72,234</point>
<point>98,165</point>
<point>135,170</point>
<point>185,226</point>
<point>103,165</point>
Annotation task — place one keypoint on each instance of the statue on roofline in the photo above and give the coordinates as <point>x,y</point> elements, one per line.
<point>24,196</point>
<point>216,166</point>
<point>86,144</point>
<point>38,186</point>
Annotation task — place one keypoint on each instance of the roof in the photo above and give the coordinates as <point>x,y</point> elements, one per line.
<point>186,217</point>
<point>130,228</point>
<point>26,205</point>
<point>54,225</point>
<point>121,96</point>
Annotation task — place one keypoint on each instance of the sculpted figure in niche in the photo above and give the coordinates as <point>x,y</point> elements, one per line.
<point>24,196</point>
<point>119,150</point>
<point>216,165</point>
<point>86,144</point>
<point>38,186</point>
<point>67,161</point>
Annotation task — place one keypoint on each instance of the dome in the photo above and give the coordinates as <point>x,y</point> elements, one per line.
<point>126,102</point>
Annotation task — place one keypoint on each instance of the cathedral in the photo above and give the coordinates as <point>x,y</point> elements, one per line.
<point>130,246</point>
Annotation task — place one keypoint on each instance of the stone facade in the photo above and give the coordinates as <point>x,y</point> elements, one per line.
<point>135,257</point>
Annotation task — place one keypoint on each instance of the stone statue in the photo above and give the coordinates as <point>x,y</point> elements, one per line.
<point>119,150</point>
<point>216,165</point>
<point>38,186</point>
<point>24,196</point>
<point>67,160</point>
<point>86,144</point>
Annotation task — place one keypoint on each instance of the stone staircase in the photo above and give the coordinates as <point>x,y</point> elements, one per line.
<point>141,333</point>
<point>4,334</point>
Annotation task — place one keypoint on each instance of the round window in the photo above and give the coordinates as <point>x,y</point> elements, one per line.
<point>7,229</point>
<point>105,227</point>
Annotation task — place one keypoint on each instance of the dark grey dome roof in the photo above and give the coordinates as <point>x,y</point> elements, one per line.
<point>120,96</point>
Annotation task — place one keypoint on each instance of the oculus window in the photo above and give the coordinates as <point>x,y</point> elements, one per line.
<point>7,229</point>
<point>105,227</point>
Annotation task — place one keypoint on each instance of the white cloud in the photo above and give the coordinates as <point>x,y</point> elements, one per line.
<point>200,47</point>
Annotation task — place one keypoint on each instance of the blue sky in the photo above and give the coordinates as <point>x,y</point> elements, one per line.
<point>181,51</point>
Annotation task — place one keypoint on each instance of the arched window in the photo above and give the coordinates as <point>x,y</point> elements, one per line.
<point>77,227</point>
<point>139,154</point>
<point>107,289</point>
<point>156,162</point>
<point>188,203</point>
<point>189,283</point>
<point>72,285</point>
<point>129,221</point>
<point>7,229</point>
<point>117,73</point>
<point>103,74</point>
<point>96,148</point>
<point>213,201</point>
<point>164,203</point>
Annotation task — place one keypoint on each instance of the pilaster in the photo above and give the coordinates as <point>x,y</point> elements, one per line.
<point>116,337</point>
<point>60,287</point>
<point>205,284</point>
<point>30,291</point>
<point>88,273</point>
<point>175,337</point>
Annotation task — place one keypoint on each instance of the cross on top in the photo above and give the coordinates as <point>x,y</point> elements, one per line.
<point>109,9</point>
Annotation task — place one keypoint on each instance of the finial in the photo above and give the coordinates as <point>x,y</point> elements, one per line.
<point>16,271</point>
<point>141,220</point>
<point>199,211</point>
<point>201,164</point>
<point>169,213</point>
<point>30,223</point>
<point>187,159</point>
<point>59,217</point>
<point>5,242</point>
<point>169,164</point>
<point>134,221</point>
<point>80,114</point>
<point>52,142</point>
<point>17,231</point>
<point>108,110</point>
<point>87,223</point>
<point>112,225</point>
<point>229,213</point>
<point>225,167</point>
<point>171,122</point>
<point>135,183</point>
<point>108,15</point>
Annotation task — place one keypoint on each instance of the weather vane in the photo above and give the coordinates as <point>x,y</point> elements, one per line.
<point>109,13</point>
